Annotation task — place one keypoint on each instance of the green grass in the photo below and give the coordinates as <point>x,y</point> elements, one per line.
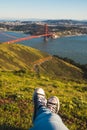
<point>19,78</point>
<point>16,106</point>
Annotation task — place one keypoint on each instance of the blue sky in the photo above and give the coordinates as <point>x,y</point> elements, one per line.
<point>44,9</point>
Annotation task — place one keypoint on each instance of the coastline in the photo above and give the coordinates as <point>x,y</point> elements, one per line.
<point>71,35</point>
<point>56,35</point>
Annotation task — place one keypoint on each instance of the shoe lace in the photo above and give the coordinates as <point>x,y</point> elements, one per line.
<point>52,107</point>
<point>41,101</point>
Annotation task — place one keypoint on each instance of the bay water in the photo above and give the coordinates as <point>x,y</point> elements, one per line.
<point>74,47</point>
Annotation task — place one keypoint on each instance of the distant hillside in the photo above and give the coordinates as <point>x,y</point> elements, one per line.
<point>66,21</point>
<point>18,57</point>
<point>61,69</point>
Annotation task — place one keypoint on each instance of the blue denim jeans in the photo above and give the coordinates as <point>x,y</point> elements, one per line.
<point>46,120</point>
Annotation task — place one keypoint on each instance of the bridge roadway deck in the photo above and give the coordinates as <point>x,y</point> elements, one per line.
<point>26,38</point>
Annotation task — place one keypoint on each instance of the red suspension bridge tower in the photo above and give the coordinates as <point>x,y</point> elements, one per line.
<point>46,32</point>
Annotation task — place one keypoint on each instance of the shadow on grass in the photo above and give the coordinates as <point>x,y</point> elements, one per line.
<point>6,127</point>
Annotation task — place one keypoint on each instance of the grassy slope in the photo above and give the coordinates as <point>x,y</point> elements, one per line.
<point>57,68</point>
<point>16,91</point>
<point>15,57</point>
<point>16,88</point>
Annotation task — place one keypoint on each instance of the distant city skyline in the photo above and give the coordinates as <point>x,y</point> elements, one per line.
<point>43,9</point>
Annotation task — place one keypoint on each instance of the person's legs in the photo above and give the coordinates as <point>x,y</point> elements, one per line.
<point>39,101</point>
<point>53,105</point>
<point>46,118</point>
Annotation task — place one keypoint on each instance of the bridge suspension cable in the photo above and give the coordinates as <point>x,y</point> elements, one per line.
<point>26,38</point>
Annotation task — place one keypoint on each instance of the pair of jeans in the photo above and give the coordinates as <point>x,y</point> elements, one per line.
<point>46,120</point>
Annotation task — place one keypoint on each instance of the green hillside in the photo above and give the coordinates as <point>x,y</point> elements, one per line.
<point>16,57</point>
<point>57,68</point>
<point>22,70</point>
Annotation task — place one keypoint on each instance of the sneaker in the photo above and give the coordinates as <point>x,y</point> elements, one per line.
<point>39,100</point>
<point>53,104</point>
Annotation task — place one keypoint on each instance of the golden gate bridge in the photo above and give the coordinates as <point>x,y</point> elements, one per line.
<point>45,35</point>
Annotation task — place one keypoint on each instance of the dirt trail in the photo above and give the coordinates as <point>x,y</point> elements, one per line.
<point>38,62</point>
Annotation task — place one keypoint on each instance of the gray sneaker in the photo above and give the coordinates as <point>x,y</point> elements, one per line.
<point>53,104</point>
<point>39,100</point>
